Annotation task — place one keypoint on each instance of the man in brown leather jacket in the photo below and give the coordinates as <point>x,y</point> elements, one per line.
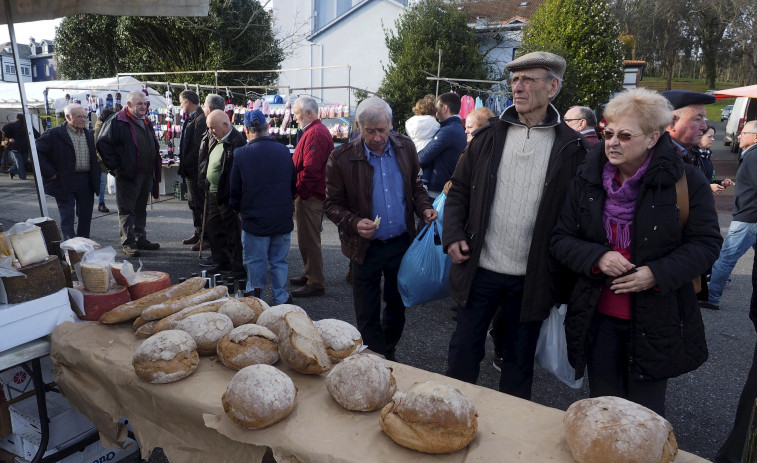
<point>372,193</point>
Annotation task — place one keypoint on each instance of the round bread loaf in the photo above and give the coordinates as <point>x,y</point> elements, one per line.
<point>301,346</point>
<point>430,417</point>
<point>259,396</point>
<point>340,338</point>
<point>206,329</point>
<point>239,312</point>
<point>603,429</point>
<point>248,345</point>
<point>273,318</point>
<point>362,382</point>
<point>166,357</point>
<point>257,305</point>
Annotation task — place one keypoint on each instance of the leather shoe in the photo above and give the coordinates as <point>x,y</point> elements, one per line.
<point>708,305</point>
<point>308,291</point>
<point>102,208</point>
<point>299,281</point>
<point>196,246</point>
<point>207,262</point>
<point>194,239</point>
<point>147,245</point>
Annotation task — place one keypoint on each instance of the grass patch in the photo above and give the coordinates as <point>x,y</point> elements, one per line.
<point>695,85</point>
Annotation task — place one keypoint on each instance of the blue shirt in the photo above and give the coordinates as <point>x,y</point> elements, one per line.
<point>388,193</point>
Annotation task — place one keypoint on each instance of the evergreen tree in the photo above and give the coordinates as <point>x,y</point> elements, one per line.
<point>423,29</point>
<point>586,34</point>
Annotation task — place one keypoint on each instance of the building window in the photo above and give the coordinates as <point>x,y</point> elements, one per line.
<point>47,70</point>
<point>25,71</point>
<point>326,11</point>
<point>10,69</point>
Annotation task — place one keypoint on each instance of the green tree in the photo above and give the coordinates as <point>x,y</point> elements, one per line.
<point>586,34</point>
<point>423,29</point>
<point>236,34</point>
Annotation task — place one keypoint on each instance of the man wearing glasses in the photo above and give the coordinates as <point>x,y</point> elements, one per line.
<point>582,120</point>
<point>506,195</point>
<point>130,151</point>
<point>68,163</point>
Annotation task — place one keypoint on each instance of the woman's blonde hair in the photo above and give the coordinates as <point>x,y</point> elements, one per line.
<point>653,111</point>
<point>480,116</point>
<point>426,106</point>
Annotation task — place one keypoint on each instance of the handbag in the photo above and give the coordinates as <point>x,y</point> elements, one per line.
<point>552,348</point>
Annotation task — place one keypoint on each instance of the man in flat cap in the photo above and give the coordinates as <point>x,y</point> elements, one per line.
<point>689,117</point>
<point>505,199</point>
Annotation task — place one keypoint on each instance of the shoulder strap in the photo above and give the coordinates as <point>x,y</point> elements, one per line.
<point>682,198</point>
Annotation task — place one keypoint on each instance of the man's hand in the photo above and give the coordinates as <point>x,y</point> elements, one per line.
<point>716,189</point>
<point>640,280</point>
<point>727,182</point>
<point>458,251</point>
<point>429,215</point>
<point>366,228</point>
<point>613,263</point>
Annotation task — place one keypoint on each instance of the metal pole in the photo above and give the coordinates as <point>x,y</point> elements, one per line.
<point>438,71</point>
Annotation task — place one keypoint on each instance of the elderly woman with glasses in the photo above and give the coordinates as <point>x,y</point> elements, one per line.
<point>633,318</point>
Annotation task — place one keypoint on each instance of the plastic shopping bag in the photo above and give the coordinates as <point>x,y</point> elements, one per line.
<point>439,206</point>
<point>552,348</point>
<point>424,271</point>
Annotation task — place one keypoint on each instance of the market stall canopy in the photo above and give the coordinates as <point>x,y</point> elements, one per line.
<point>31,10</point>
<point>77,89</point>
<point>748,91</point>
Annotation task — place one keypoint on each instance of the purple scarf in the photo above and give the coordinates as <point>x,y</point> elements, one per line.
<point>620,203</point>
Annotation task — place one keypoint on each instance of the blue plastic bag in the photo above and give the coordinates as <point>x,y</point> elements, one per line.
<point>424,271</point>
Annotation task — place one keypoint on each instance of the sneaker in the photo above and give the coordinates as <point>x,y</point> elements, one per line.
<point>131,250</point>
<point>102,208</point>
<point>207,262</point>
<point>147,245</point>
<point>497,363</point>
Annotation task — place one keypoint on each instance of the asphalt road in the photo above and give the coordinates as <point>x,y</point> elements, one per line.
<point>700,405</point>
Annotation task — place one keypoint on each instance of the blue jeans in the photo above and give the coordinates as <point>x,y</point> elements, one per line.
<point>261,252</point>
<point>741,236</point>
<point>103,182</point>
<point>20,166</point>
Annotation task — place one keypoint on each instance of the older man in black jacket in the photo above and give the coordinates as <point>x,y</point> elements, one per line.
<point>68,162</point>
<point>189,148</point>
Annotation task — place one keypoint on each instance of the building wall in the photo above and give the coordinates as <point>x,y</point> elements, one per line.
<point>8,70</point>
<point>46,69</point>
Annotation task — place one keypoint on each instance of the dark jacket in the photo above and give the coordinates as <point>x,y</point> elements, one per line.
<point>349,191</point>
<point>117,146</point>
<point>58,158</point>
<point>189,148</point>
<point>439,157</point>
<point>17,131</point>
<point>745,191</point>
<point>591,137</point>
<point>467,211</point>
<point>234,141</point>
<point>310,157</point>
<point>262,187</point>
<point>668,334</point>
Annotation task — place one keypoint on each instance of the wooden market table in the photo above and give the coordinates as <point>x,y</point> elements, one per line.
<point>186,418</point>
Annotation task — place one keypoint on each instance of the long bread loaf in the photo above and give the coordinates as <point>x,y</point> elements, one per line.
<point>134,309</point>
<point>170,322</point>
<point>166,308</point>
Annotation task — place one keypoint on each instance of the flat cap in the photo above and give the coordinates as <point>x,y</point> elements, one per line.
<point>681,98</point>
<point>538,59</point>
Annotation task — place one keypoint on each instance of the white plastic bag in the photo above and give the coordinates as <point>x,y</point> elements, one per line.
<point>552,348</point>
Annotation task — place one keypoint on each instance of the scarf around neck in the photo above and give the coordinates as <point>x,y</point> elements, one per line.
<point>620,202</point>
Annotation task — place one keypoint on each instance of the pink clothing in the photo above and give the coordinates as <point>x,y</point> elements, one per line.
<point>467,104</point>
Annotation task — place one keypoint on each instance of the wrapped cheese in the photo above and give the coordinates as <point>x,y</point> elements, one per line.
<point>28,243</point>
<point>96,276</point>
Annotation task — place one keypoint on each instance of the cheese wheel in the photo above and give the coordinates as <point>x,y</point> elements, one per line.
<point>259,396</point>
<point>248,345</point>
<point>149,282</point>
<point>604,429</point>
<point>166,357</point>
<point>96,304</point>
<point>301,346</point>
<point>273,317</point>
<point>340,338</point>
<point>96,276</point>
<point>430,417</point>
<point>115,269</point>
<point>206,329</point>
<point>362,382</point>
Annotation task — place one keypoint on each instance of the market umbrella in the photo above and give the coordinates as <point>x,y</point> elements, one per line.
<point>748,91</point>
<point>37,10</point>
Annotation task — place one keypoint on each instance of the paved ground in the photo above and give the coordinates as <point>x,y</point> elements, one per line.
<point>701,405</point>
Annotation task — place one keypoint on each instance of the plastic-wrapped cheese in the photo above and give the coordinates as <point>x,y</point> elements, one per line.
<point>29,247</point>
<point>96,276</point>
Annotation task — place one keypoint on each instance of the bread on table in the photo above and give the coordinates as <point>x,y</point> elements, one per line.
<point>257,305</point>
<point>239,312</point>
<point>133,309</point>
<point>206,329</point>
<point>146,330</point>
<point>171,306</point>
<point>340,338</point>
<point>431,417</point>
<point>248,345</point>
<point>170,322</point>
<point>166,357</point>
<point>604,429</point>
<point>273,318</point>
<point>301,346</point>
<point>259,396</point>
<point>362,382</point>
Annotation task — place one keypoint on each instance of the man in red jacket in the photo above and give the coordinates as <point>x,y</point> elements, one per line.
<point>310,159</point>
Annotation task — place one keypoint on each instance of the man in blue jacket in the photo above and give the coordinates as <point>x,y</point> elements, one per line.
<point>262,186</point>
<point>439,158</point>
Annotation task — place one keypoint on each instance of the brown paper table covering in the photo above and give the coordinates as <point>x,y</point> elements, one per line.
<point>186,418</point>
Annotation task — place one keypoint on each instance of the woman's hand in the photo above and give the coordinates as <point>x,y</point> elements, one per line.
<point>640,280</point>
<point>613,263</point>
<point>716,189</point>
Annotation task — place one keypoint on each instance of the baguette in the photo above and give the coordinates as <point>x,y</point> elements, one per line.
<point>170,322</point>
<point>138,322</point>
<point>166,308</point>
<point>134,309</point>
<point>146,330</point>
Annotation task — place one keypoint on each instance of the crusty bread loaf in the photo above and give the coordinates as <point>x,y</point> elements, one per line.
<point>259,396</point>
<point>239,312</point>
<point>430,417</point>
<point>603,429</point>
<point>248,345</point>
<point>166,308</point>
<point>146,330</point>
<point>170,322</point>
<point>362,382</point>
<point>257,305</point>
<point>133,309</point>
<point>206,329</point>
<point>273,318</point>
<point>340,338</point>
<point>139,321</point>
<point>301,346</point>
<point>166,357</point>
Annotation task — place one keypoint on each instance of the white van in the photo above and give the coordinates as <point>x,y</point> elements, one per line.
<point>744,110</point>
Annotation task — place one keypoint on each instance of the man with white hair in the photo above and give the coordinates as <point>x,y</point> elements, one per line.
<point>130,151</point>
<point>388,164</point>
<point>71,174</point>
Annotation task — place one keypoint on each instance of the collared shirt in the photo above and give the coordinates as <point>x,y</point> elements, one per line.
<point>388,193</point>
<point>81,150</point>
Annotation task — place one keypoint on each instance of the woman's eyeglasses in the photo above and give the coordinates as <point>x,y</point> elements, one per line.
<point>622,136</point>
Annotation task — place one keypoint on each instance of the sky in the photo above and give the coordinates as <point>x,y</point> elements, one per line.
<point>38,29</point>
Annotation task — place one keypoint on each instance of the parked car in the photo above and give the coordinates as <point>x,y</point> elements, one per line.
<point>744,110</point>
<point>725,113</point>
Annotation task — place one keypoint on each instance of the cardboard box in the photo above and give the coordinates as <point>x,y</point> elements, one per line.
<point>93,453</point>
<point>65,423</point>
<point>16,381</point>
<point>27,321</point>
<point>5,414</point>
